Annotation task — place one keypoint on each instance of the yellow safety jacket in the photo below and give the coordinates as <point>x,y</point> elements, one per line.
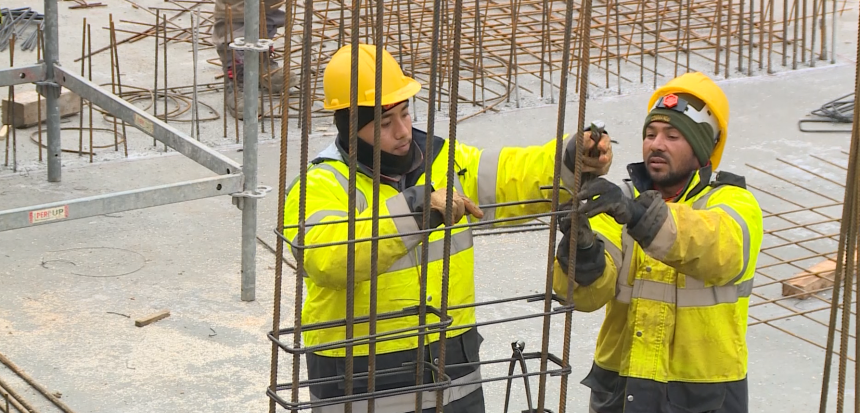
<point>485,176</point>
<point>677,310</point>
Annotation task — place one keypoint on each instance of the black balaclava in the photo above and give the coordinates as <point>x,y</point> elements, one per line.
<point>391,164</point>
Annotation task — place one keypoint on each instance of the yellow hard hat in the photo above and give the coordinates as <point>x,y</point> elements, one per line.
<point>702,87</point>
<point>396,87</point>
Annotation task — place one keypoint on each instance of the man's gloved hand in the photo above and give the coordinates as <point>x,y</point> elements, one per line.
<point>584,234</point>
<point>594,165</point>
<point>460,205</point>
<point>610,200</point>
<point>590,261</point>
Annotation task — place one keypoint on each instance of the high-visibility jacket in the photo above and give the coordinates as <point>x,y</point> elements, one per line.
<point>485,176</point>
<point>676,311</point>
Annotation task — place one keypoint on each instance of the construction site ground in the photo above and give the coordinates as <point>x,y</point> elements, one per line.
<point>71,291</point>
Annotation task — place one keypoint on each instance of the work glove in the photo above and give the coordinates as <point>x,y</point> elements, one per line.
<point>590,261</point>
<point>460,206</point>
<point>602,196</point>
<point>596,160</point>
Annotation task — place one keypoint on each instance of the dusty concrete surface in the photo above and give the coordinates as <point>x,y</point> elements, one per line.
<point>61,284</point>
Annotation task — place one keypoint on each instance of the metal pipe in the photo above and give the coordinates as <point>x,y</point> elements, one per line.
<point>52,91</point>
<point>249,153</point>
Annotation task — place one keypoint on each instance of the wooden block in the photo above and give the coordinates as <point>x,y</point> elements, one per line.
<point>26,112</point>
<point>4,131</point>
<point>802,286</point>
<point>152,318</point>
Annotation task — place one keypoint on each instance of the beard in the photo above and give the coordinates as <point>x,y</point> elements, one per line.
<point>673,175</point>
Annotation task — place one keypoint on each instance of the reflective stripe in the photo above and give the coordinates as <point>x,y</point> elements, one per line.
<point>460,242</point>
<point>488,169</point>
<point>316,218</point>
<point>613,251</point>
<point>683,297</point>
<point>695,294</point>
<point>405,224</point>
<point>360,200</point>
<point>404,403</point>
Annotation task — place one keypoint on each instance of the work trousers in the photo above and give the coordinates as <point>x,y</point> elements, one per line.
<point>464,396</point>
<point>275,18</point>
<point>612,393</point>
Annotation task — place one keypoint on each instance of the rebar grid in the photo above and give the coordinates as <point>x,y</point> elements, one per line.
<point>434,321</point>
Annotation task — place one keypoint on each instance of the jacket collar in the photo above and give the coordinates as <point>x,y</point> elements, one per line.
<point>697,182</point>
<point>334,152</point>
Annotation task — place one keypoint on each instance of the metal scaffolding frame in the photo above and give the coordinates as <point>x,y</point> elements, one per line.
<point>237,181</point>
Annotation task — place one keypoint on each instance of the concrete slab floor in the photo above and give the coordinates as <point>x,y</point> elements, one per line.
<point>61,284</point>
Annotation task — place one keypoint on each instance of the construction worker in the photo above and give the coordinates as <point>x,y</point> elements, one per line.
<point>483,176</point>
<point>275,18</point>
<point>671,254</point>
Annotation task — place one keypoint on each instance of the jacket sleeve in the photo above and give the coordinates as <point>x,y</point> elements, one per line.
<point>510,174</point>
<point>717,245</point>
<point>597,294</point>
<point>327,201</point>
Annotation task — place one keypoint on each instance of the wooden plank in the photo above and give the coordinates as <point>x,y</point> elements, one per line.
<point>27,109</point>
<point>152,318</point>
<point>803,286</point>
<point>4,131</point>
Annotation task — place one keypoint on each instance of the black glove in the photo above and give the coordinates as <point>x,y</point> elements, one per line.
<point>590,261</point>
<point>610,200</point>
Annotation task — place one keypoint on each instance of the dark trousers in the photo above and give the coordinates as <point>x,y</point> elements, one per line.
<point>458,350</point>
<point>612,393</point>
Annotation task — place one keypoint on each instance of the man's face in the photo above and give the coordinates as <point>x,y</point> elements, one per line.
<point>396,130</point>
<point>668,156</point>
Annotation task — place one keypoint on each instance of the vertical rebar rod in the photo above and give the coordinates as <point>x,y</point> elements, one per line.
<point>750,38</point>
<point>52,56</point>
<point>729,37</point>
<point>164,57</point>
<point>83,73</point>
<point>11,114</point>
<point>282,191</point>
<point>784,33</point>
<point>794,41</point>
<point>844,273</point>
<point>772,4</point>
<point>39,95</point>
<point>814,30</point>
<point>512,58</point>
<point>374,225</point>
<point>351,196</point>
<point>677,37</point>
<point>688,51</point>
<point>641,44</point>
<point>305,120</point>
<point>249,153</point>
<point>562,107</point>
<point>428,177</point>
<point>155,70</point>
<point>719,36</point>
<point>741,37</point>
<point>657,23</point>
<point>233,72</point>
<point>113,80</point>
<point>267,68</point>
<point>761,22</point>
<point>833,35</point>
<point>803,33</point>
<point>618,43</point>
<point>195,111</point>
<point>90,77</point>
<point>544,24</point>
<point>119,86</point>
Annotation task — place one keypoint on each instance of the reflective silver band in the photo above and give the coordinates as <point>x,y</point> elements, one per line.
<point>488,169</point>
<point>683,297</point>
<point>460,242</point>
